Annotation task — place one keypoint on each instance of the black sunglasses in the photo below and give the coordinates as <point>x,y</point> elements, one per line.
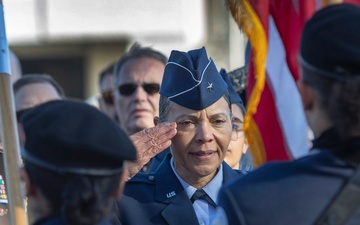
<point>129,89</point>
<point>108,97</point>
<point>20,113</point>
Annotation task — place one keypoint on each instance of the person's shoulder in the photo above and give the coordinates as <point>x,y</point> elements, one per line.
<point>158,177</point>
<point>279,170</point>
<point>230,173</point>
<point>142,178</point>
<point>141,186</point>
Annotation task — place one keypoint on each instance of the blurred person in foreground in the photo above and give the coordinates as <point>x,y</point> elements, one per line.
<point>29,91</point>
<point>238,145</point>
<point>73,170</point>
<point>184,188</point>
<point>106,87</point>
<point>323,187</point>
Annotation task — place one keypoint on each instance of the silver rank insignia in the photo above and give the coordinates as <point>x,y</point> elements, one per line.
<point>210,86</point>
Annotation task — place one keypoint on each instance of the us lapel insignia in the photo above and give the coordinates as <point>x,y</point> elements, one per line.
<point>171,194</point>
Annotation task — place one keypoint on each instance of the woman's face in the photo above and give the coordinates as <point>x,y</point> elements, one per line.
<point>238,144</point>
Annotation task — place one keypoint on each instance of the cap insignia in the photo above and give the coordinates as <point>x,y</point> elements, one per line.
<point>210,86</point>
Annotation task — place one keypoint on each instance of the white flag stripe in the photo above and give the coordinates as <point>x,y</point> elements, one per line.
<point>286,96</point>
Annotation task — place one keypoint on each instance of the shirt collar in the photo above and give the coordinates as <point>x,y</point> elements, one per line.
<point>212,188</point>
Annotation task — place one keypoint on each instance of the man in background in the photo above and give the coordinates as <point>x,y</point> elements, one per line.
<point>138,75</point>
<point>15,66</point>
<point>106,87</point>
<point>32,90</point>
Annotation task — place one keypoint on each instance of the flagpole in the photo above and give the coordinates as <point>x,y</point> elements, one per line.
<point>9,133</point>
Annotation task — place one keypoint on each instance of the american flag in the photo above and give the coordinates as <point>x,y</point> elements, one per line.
<point>275,123</point>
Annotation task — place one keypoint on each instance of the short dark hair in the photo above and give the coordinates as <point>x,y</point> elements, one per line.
<point>136,51</point>
<point>339,99</point>
<point>35,79</point>
<point>106,71</point>
<point>79,199</point>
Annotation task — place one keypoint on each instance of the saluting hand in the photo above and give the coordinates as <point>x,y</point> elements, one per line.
<point>149,142</point>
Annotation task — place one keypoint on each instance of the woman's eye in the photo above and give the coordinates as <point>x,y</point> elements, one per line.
<point>238,127</point>
<point>219,121</point>
<point>235,127</point>
<point>185,123</point>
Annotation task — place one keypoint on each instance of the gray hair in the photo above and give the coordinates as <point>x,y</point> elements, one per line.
<point>137,51</point>
<point>36,78</point>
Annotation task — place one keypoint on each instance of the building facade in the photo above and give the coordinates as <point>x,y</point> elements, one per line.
<point>73,40</point>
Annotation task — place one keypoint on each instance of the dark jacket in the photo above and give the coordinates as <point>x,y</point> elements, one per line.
<point>159,198</point>
<point>287,193</point>
<point>59,221</point>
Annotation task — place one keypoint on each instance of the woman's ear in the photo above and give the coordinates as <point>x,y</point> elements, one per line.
<point>246,146</point>
<point>156,120</point>
<point>29,188</point>
<point>306,93</point>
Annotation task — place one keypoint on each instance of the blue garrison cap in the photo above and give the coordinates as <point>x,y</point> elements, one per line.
<point>192,80</point>
<point>234,96</point>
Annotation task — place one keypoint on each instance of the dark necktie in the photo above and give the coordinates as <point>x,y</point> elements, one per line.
<point>201,194</point>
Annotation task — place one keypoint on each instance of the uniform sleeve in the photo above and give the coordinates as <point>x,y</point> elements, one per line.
<point>115,214</point>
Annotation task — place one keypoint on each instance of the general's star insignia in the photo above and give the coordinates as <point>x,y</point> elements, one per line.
<point>210,86</point>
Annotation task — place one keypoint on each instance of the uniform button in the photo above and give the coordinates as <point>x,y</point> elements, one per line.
<point>152,178</point>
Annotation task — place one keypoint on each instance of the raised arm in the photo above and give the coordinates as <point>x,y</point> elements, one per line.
<point>149,142</point>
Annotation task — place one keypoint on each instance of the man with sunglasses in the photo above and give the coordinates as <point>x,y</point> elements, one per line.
<point>138,75</point>
<point>106,87</point>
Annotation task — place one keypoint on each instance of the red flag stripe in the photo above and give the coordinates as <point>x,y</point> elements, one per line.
<point>287,99</point>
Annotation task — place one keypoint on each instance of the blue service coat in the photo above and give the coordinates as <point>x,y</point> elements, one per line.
<point>159,198</point>
<point>59,221</point>
<point>286,193</point>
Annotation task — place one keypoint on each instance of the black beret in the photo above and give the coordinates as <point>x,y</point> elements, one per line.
<point>331,41</point>
<point>192,80</point>
<point>73,137</point>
